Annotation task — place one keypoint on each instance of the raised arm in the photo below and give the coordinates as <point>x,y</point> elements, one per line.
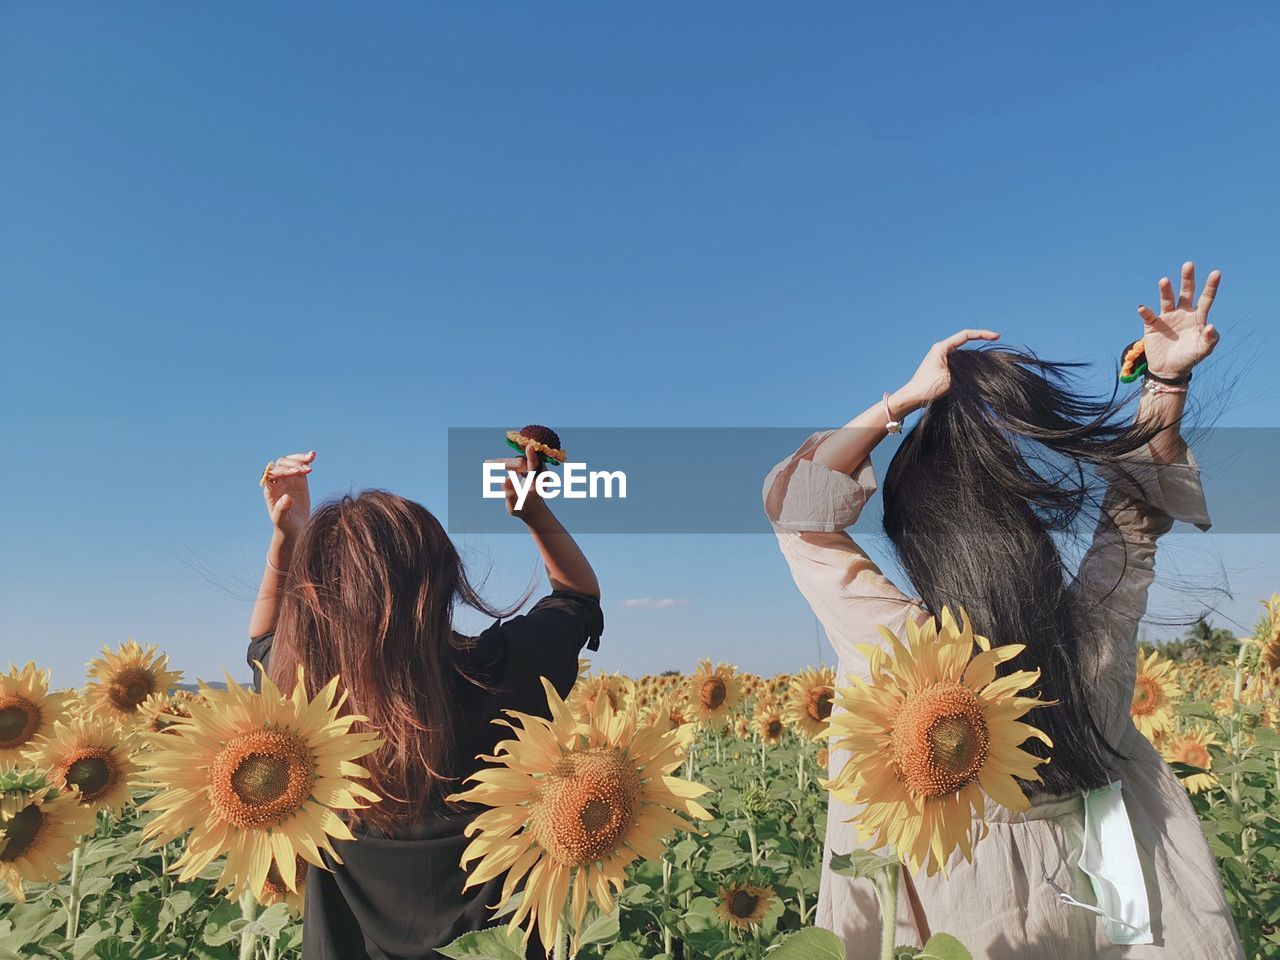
<point>1119,566</point>
<point>288,500</point>
<point>813,495</point>
<point>567,566</point>
<point>844,450</point>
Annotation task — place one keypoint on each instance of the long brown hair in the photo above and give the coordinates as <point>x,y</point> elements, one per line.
<point>369,596</point>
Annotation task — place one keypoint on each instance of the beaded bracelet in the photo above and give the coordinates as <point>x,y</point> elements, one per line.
<point>1155,385</point>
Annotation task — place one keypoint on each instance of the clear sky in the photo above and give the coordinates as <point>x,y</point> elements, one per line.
<point>229,231</point>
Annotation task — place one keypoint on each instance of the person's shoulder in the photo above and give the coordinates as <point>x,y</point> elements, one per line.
<point>578,615</point>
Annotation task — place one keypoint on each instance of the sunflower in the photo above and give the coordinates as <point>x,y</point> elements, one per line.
<point>769,723</point>
<point>1155,691</point>
<point>713,692</point>
<point>120,682</point>
<point>1192,748</point>
<point>929,734</point>
<point>669,712</point>
<point>574,802</point>
<point>743,905</point>
<point>160,711</point>
<point>275,890</point>
<point>39,828</point>
<point>808,703</point>
<point>616,690</point>
<point>1269,644</point>
<point>27,709</point>
<point>257,777</point>
<point>89,759</point>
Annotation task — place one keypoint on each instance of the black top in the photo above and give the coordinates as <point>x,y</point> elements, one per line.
<point>399,897</point>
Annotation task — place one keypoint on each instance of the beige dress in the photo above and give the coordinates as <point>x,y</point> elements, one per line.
<point>1002,905</point>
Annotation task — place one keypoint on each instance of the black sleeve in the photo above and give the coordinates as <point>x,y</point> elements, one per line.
<point>260,650</point>
<point>545,642</point>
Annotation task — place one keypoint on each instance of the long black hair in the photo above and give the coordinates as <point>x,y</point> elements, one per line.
<point>973,499</point>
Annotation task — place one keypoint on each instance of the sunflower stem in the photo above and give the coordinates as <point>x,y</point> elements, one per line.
<point>73,901</point>
<point>1237,734</point>
<point>887,888</point>
<point>249,936</point>
<point>561,951</point>
<point>666,894</point>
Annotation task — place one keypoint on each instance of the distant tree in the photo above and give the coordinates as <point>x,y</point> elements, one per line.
<point>669,673</point>
<point>1201,642</point>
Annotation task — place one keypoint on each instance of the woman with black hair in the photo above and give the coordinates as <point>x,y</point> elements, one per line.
<point>998,465</point>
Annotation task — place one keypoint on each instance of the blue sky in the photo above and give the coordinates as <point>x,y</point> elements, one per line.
<point>231,231</point>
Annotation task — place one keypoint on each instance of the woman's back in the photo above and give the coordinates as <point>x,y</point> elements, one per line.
<point>398,891</point>
<point>365,589</point>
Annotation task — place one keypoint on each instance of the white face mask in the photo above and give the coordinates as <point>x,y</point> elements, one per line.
<point>1110,860</point>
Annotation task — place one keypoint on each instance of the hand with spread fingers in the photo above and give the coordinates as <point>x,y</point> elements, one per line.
<point>285,490</point>
<point>1181,336</point>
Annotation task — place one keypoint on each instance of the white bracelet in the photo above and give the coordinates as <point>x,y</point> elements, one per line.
<point>892,425</point>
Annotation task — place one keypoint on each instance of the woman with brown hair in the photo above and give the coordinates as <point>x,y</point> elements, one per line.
<point>365,588</point>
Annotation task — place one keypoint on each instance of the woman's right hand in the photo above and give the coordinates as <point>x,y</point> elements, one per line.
<point>933,377</point>
<point>286,493</point>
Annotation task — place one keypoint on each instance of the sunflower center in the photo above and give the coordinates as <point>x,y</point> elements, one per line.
<point>19,720</point>
<point>743,904</point>
<point>262,778</point>
<point>775,728</point>
<point>93,770</point>
<point>820,702</point>
<point>20,832</point>
<point>940,740</point>
<point>712,693</point>
<point>1146,696</point>
<point>585,807</point>
<point>128,688</point>
<point>1194,754</point>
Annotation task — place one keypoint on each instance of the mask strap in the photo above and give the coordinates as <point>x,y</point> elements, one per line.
<point>1068,899</point>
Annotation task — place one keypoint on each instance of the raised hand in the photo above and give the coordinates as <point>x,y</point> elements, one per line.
<point>534,506</point>
<point>933,377</point>
<point>286,493</point>
<point>1181,336</point>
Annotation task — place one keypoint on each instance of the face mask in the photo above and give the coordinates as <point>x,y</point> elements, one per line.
<point>1110,860</point>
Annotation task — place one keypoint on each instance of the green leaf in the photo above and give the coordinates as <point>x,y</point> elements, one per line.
<point>271,921</point>
<point>724,860</point>
<point>604,927</point>
<point>222,924</point>
<point>943,946</point>
<point>861,864</point>
<point>145,910</point>
<point>624,951</point>
<point>810,944</point>
<point>495,943</point>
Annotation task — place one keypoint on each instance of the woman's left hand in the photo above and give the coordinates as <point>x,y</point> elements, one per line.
<point>1181,336</point>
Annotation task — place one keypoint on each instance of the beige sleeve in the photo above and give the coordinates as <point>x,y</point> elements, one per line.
<point>810,507</point>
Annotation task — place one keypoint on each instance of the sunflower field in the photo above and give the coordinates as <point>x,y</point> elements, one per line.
<point>141,820</point>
